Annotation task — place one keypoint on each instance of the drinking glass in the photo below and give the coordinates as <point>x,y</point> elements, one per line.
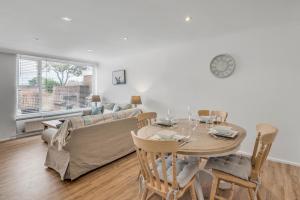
<point>211,121</point>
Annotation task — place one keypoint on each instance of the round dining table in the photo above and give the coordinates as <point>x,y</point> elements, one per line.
<point>200,143</point>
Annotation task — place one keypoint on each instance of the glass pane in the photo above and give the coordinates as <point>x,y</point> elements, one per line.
<point>65,86</point>
<point>28,87</point>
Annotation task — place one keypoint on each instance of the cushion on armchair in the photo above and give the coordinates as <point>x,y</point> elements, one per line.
<point>236,165</point>
<point>185,170</point>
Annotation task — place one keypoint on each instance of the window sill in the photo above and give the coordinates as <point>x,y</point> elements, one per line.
<point>47,114</point>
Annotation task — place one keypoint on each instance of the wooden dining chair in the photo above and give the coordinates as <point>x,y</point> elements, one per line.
<point>160,176</point>
<point>203,112</point>
<point>241,170</point>
<point>223,115</point>
<point>145,119</point>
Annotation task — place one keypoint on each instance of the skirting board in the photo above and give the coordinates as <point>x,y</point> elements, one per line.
<point>274,159</point>
<point>19,136</point>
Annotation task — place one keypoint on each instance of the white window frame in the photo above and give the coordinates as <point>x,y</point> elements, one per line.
<point>51,113</point>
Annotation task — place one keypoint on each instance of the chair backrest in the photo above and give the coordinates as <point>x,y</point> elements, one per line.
<point>145,119</point>
<point>266,134</point>
<point>147,152</point>
<point>203,112</point>
<point>221,114</point>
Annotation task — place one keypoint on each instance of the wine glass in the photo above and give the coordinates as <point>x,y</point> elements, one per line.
<point>168,114</point>
<point>212,119</point>
<point>189,113</point>
<point>218,119</point>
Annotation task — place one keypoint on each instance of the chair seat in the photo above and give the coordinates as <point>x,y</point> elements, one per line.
<point>185,170</point>
<point>236,165</point>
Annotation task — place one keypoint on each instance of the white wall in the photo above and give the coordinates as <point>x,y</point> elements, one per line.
<point>7,95</point>
<point>264,87</point>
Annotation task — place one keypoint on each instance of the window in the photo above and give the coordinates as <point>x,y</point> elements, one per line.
<point>46,85</point>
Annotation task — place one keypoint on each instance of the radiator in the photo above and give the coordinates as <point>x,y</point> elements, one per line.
<point>35,124</point>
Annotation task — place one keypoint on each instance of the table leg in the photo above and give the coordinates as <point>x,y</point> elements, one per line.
<point>197,183</point>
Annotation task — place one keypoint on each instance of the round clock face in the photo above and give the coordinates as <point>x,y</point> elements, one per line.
<point>222,66</point>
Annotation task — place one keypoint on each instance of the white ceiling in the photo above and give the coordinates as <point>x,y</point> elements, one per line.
<point>100,25</point>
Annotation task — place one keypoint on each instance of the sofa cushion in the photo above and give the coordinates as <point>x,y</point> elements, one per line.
<point>116,108</point>
<point>106,111</point>
<point>92,119</point>
<point>236,165</point>
<point>86,112</point>
<point>108,106</point>
<point>122,114</point>
<point>97,110</point>
<point>125,106</point>
<point>78,122</point>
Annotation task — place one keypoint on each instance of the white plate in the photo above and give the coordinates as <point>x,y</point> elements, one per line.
<point>222,128</point>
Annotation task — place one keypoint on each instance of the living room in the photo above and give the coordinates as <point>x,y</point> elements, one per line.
<point>89,88</point>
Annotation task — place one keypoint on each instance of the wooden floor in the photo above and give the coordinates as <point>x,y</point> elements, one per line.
<point>24,177</point>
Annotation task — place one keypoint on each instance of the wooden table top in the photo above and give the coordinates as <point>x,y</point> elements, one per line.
<point>202,143</point>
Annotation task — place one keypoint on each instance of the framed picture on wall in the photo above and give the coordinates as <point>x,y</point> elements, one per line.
<point>118,77</point>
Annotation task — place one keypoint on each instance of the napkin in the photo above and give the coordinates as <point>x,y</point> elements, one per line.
<point>223,131</point>
<point>165,122</point>
<point>168,135</point>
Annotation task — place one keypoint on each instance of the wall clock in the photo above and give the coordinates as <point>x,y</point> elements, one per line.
<point>222,66</point>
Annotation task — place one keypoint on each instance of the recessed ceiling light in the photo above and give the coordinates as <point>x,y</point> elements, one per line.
<point>66,19</point>
<point>125,38</point>
<point>188,18</point>
<point>90,50</point>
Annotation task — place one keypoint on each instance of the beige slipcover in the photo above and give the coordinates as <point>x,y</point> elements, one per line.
<point>91,147</point>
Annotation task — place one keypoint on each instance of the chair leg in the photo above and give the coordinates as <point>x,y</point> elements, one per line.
<point>250,193</point>
<point>214,188</point>
<point>231,192</point>
<point>193,192</point>
<point>140,173</point>
<point>145,193</point>
<point>258,196</point>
